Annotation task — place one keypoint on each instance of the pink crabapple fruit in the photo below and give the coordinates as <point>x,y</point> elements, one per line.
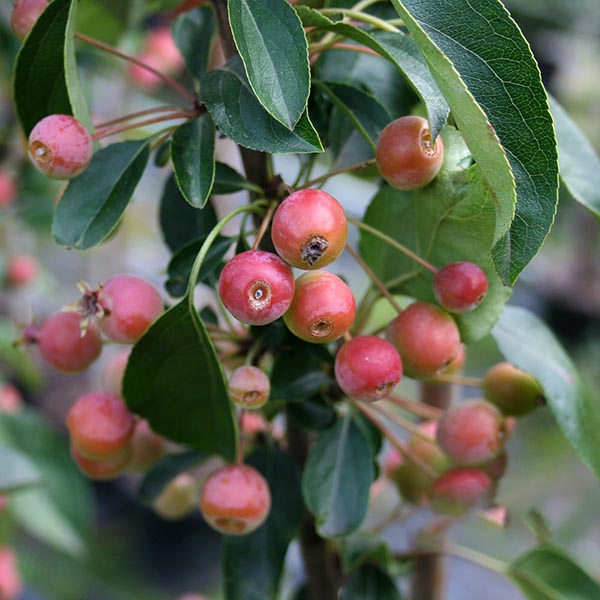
<point>256,287</point>
<point>64,344</point>
<point>323,308</point>
<point>426,337</point>
<point>60,147</point>
<point>11,585</point>
<point>309,229</point>
<point>8,189</point>
<point>471,433</point>
<point>235,499</point>
<point>11,400</point>
<point>406,156</point>
<point>459,489</point>
<point>103,469</point>
<point>100,426</point>
<point>460,286</point>
<point>147,447</point>
<point>24,15</point>
<point>249,387</point>
<point>178,499</point>
<point>368,367</point>
<point>22,269</point>
<point>112,375</point>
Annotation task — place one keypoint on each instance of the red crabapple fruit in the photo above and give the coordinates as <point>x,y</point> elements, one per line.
<point>368,367</point>
<point>235,499</point>
<point>114,369</point>
<point>21,269</point>
<point>472,432</point>
<point>64,344</point>
<point>249,387</point>
<point>426,337</point>
<point>103,469</point>
<point>11,585</point>
<point>322,309</point>
<point>256,287</point>
<point>309,229</point>
<point>147,447</point>
<point>100,425</point>
<point>459,489</point>
<point>60,147</point>
<point>8,189</point>
<point>513,391</point>
<point>129,305</point>
<point>11,400</point>
<point>178,499</point>
<point>406,156</point>
<point>460,286</point>
<point>24,15</point>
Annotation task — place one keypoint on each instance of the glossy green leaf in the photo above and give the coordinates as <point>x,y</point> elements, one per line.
<point>238,114</point>
<point>17,470</point>
<point>485,69</point>
<point>312,414</point>
<point>367,115</point>
<point>193,156</point>
<point>194,33</point>
<point>179,222</point>
<point>579,163</point>
<point>451,219</point>
<point>272,44</point>
<point>339,467</point>
<point>370,583</point>
<point>45,74</point>
<point>94,202</point>
<point>229,181</point>
<point>547,573</point>
<point>528,343</point>
<point>399,49</point>
<point>161,474</point>
<point>253,563</point>
<point>174,380</point>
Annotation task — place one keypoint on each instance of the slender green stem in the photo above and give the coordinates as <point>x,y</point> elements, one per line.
<point>357,167</point>
<point>416,408</point>
<point>457,380</point>
<point>404,423</point>
<point>264,225</point>
<point>393,243</point>
<point>360,16</point>
<point>208,242</point>
<point>493,564</point>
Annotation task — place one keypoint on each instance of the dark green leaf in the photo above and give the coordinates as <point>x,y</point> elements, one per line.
<point>273,47</point>
<point>239,115</point>
<point>17,470</point>
<point>229,181</point>
<point>400,50</point>
<point>362,547</point>
<point>180,265</point>
<point>45,75</point>
<point>367,115</point>
<point>313,414</point>
<point>194,33</point>
<point>487,73</point>
<point>579,163</point>
<point>253,563</point>
<point>179,222</point>
<point>451,219</point>
<point>370,583</point>
<point>546,573</point>
<point>165,471</point>
<point>526,341</point>
<point>193,155</point>
<point>94,202</point>
<point>339,468</point>
<point>174,380</point>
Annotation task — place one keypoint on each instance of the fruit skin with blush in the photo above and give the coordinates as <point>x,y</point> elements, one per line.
<point>249,387</point>
<point>309,229</point>
<point>112,375</point>
<point>11,584</point>
<point>460,287</point>
<point>235,499</point>
<point>323,308</point>
<point>24,15</point>
<point>178,499</point>
<point>512,390</point>
<point>101,470</point>
<point>406,156</point>
<point>147,447</point>
<point>368,367</point>
<point>8,189</point>
<point>22,269</point>
<point>460,489</point>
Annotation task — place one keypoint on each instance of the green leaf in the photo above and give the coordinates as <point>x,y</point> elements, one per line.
<point>194,32</point>
<point>271,42</point>
<point>579,163</point>
<point>312,414</point>
<point>239,115</point>
<point>94,202</point>
<point>179,222</point>
<point>253,563</point>
<point>161,474</point>
<point>339,467</point>
<point>45,74</point>
<point>401,51</point>
<point>193,155</point>
<point>547,573</point>
<point>229,181</point>
<point>17,470</point>
<point>370,583</point>
<point>174,380</point>
<point>487,73</point>
<point>105,21</point>
<point>526,341</point>
<point>451,219</point>
<point>366,114</point>
<point>364,547</point>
